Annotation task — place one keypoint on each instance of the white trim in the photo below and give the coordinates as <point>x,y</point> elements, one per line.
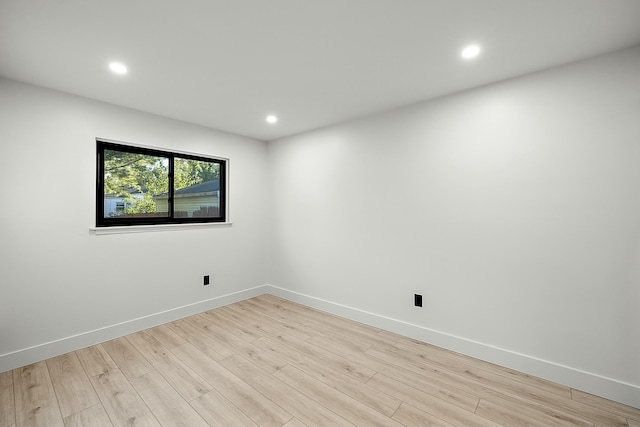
<point>18,358</point>
<point>609,388</point>
<point>100,231</point>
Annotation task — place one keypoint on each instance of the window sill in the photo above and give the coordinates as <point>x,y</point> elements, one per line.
<point>101,231</point>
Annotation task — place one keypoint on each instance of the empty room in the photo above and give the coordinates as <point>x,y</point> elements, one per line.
<point>320,213</point>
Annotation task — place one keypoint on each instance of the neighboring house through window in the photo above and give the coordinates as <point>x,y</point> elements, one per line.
<point>197,200</point>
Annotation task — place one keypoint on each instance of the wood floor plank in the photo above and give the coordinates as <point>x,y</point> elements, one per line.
<point>317,317</point>
<point>328,324</point>
<point>218,411</point>
<point>123,405</point>
<point>263,359</point>
<point>514,416</point>
<point>343,405</point>
<point>219,335</point>
<point>632,423</point>
<point>129,360</point>
<point>186,382</point>
<point>35,400</point>
<point>71,384</point>
<point>329,340</point>
<point>238,330</point>
<point>419,379</point>
<point>488,373</point>
<point>95,360</point>
<point>252,310</point>
<point>195,336</point>
<point>309,363</point>
<point>364,393</point>
<point>294,422</point>
<point>469,369</point>
<point>199,320</point>
<point>607,405</point>
<point>562,412</point>
<point>259,323</point>
<point>7,401</point>
<point>325,356</point>
<point>290,356</point>
<point>226,330</point>
<point>94,416</point>
<point>411,416</point>
<point>466,400</point>
<point>236,318</point>
<point>489,385</point>
<point>350,386</point>
<point>446,357</point>
<point>430,404</point>
<point>320,328</point>
<point>255,405</point>
<point>165,403</point>
<point>352,332</point>
<point>441,377</point>
<point>307,409</point>
<point>166,336</point>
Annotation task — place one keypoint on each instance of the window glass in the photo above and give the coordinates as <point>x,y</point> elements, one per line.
<point>196,188</point>
<point>132,184</point>
<point>139,186</point>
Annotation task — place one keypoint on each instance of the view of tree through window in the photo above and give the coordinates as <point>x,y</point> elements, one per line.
<point>133,180</point>
<point>148,186</point>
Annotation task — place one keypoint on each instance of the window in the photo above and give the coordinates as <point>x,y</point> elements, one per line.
<point>145,186</point>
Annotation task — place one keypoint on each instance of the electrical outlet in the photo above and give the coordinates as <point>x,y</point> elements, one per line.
<point>206,280</point>
<point>417,300</point>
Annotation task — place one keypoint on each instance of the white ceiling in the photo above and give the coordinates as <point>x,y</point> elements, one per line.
<point>226,64</point>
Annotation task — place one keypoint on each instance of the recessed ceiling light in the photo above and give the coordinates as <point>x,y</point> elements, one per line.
<point>470,52</point>
<point>272,119</point>
<point>118,67</point>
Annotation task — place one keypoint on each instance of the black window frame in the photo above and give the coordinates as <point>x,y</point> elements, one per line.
<point>119,221</point>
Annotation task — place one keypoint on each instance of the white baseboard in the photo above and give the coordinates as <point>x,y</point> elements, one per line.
<point>609,388</point>
<point>47,350</point>
<point>591,383</point>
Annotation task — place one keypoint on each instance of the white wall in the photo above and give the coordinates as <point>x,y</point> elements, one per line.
<point>514,209</point>
<point>60,283</point>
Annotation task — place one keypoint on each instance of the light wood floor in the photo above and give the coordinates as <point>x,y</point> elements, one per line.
<point>270,362</point>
